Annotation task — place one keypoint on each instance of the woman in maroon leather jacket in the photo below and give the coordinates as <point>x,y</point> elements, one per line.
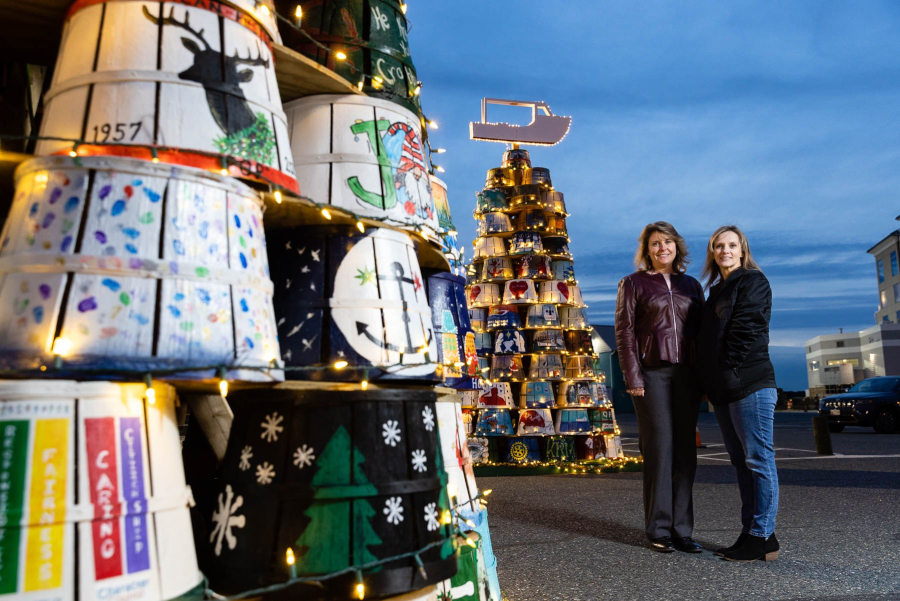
<point>658,312</point>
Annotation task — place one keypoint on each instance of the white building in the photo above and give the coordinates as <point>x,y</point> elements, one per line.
<point>834,362</point>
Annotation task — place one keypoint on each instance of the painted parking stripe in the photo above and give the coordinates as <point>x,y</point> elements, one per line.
<point>816,457</point>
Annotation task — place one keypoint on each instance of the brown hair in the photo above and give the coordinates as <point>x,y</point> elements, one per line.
<point>642,256</point>
<point>711,271</point>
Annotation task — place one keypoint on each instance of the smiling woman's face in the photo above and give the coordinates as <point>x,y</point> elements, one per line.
<point>661,249</point>
<point>727,252</point>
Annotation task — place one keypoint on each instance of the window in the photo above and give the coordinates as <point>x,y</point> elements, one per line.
<point>880,271</point>
<point>885,318</point>
<point>813,366</point>
<point>898,316</point>
<point>840,344</point>
<point>853,362</point>
<point>897,293</point>
<point>894,262</point>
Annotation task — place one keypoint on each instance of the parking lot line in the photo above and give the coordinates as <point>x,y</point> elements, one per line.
<point>816,457</point>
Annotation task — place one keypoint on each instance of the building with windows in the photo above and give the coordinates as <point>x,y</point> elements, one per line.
<point>888,273</point>
<point>834,362</point>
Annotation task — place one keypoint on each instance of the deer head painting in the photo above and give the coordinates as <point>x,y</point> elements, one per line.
<point>247,134</point>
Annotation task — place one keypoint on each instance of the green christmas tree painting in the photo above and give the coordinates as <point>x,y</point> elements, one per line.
<point>326,542</point>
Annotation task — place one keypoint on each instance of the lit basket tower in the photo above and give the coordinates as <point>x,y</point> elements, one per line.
<point>544,398</point>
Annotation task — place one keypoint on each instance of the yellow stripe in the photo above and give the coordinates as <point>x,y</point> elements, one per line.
<point>47,505</point>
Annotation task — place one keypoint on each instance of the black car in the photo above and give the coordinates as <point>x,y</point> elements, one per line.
<point>874,402</point>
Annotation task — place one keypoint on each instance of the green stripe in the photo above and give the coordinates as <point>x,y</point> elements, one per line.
<point>13,459</point>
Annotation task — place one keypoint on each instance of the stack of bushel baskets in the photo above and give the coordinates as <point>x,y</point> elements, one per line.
<point>132,262</point>
<point>179,422</point>
<point>544,398</point>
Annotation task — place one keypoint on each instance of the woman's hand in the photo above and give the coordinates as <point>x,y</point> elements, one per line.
<point>636,391</point>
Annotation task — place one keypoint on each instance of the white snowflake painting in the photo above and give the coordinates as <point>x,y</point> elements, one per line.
<point>393,509</point>
<point>271,428</point>
<point>428,418</point>
<point>246,456</point>
<point>225,519</point>
<point>390,430</point>
<point>431,517</point>
<point>304,456</point>
<point>418,460</point>
<point>265,473</point>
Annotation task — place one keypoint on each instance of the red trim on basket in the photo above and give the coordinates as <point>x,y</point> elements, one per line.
<point>244,169</point>
<point>223,10</point>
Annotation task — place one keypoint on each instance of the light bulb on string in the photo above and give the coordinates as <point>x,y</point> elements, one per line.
<point>360,226</point>
<point>278,197</point>
<point>298,12</point>
<point>325,213</point>
<point>149,392</point>
<point>340,364</point>
<point>223,382</point>
<point>340,56</point>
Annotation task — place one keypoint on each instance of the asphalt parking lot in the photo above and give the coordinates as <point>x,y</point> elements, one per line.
<point>581,537</point>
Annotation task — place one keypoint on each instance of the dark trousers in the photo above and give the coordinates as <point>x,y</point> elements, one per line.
<point>667,418</point>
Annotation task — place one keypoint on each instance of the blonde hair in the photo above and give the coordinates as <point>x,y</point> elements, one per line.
<point>642,256</point>
<point>711,272</point>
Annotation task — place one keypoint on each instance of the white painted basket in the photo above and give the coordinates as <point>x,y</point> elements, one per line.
<point>135,266</point>
<point>96,473</point>
<point>133,73</point>
<point>364,155</point>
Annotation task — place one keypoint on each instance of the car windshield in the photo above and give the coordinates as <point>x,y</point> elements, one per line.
<point>876,385</point>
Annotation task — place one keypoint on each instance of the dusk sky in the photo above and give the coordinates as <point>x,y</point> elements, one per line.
<point>780,117</point>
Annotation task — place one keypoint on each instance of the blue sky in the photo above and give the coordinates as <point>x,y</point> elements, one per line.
<point>780,117</point>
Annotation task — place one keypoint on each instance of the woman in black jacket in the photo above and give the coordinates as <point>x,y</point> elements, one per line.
<point>738,378</point>
<point>657,316</point>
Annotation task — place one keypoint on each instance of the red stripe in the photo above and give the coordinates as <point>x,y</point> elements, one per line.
<point>223,10</point>
<point>100,440</point>
<point>187,158</point>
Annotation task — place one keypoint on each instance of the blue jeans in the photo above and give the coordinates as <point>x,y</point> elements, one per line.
<point>747,429</point>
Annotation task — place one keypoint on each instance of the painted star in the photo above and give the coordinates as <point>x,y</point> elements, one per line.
<point>365,276</point>
<point>417,283</point>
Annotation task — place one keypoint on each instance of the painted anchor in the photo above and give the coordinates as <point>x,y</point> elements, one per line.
<point>362,329</point>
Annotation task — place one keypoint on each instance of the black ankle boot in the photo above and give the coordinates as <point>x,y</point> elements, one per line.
<point>772,548</point>
<point>753,549</point>
<point>740,541</point>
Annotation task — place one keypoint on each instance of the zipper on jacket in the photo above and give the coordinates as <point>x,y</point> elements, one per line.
<point>674,322</point>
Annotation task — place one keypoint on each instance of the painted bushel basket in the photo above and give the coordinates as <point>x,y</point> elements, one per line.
<point>197,82</point>
<point>364,155</point>
<point>457,462</point>
<point>450,317</point>
<point>373,35</point>
<point>341,478</point>
<point>93,501</point>
<point>345,296</point>
<point>135,266</point>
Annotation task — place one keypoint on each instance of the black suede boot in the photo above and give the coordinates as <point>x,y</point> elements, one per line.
<point>772,548</point>
<point>753,549</point>
<point>740,541</point>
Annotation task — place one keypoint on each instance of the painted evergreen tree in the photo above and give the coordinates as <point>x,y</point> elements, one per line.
<point>326,542</point>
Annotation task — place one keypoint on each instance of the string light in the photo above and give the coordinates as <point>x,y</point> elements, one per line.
<point>439,150</point>
<point>340,364</point>
<point>223,383</point>
<point>278,197</point>
<point>341,56</point>
<point>433,124</point>
<point>264,10</point>
<point>360,226</point>
<point>325,213</point>
<point>360,587</point>
<point>437,168</point>
<point>403,7</point>
<point>298,12</point>
<point>61,347</point>
<point>149,393</point>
